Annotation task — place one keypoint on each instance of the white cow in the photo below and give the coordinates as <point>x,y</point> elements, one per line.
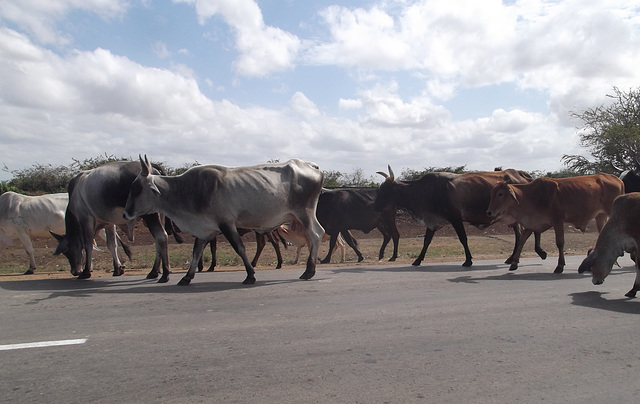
<point>208,200</point>
<point>22,217</point>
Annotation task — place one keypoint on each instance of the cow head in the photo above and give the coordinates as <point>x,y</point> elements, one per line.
<point>385,199</point>
<point>142,194</point>
<point>70,247</point>
<point>502,197</point>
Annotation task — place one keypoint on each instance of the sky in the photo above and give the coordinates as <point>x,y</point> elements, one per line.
<point>349,85</point>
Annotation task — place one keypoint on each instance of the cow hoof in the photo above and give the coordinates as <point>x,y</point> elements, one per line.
<point>325,261</point>
<point>279,266</point>
<point>392,259</point>
<point>631,293</point>
<point>29,271</point>
<point>184,282</point>
<point>250,280</point>
<point>211,269</point>
<point>360,259</point>
<point>84,275</point>
<point>163,279</point>
<point>307,275</point>
<point>558,270</point>
<point>152,275</point>
<point>508,260</point>
<point>513,267</point>
<point>416,263</point>
<point>467,264</point>
<point>543,255</point>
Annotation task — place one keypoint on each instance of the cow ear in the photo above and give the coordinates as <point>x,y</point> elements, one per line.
<point>154,187</point>
<point>513,194</point>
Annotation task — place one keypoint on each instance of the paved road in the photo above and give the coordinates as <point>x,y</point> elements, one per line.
<point>439,333</point>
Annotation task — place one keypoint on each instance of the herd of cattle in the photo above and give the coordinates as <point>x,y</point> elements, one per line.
<point>287,201</point>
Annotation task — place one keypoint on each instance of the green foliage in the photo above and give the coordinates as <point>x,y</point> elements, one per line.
<point>611,133</point>
<point>93,162</point>
<point>356,178</point>
<point>41,179</point>
<point>409,174</point>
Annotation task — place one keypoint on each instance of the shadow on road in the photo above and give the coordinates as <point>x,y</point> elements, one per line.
<point>596,300</point>
<point>568,274</point>
<point>89,287</point>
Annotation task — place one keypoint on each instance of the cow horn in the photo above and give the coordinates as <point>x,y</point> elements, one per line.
<point>145,166</point>
<point>388,177</point>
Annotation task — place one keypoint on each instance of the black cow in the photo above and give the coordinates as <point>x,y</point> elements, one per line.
<point>343,209</point>
<point>96,200</point>
<point>441,198</point>
<point>631,180</point>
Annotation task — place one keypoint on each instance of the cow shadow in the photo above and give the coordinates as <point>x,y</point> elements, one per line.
<point>595,300</point>
<point>518,275</point>
<point>424,268</point>
<point>72,287</point>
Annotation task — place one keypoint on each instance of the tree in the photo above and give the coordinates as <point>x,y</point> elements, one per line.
<point>611,133</point>
<point>408,174</point>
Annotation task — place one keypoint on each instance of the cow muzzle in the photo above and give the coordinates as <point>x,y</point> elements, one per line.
<point>597,281</point>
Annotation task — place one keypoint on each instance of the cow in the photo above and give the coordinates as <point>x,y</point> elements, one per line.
<point>344,209</point>
<point>619,235</point>
<point>23,217</point>
<point>293,234</point>
<point>440,198</point>
<point>631,180</point>
<point>545,203</point>
<point>97,199</point>
<point>208,200</point>
<point>261,242</point>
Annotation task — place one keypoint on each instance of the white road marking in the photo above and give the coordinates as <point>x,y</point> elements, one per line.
<point>43,344</point>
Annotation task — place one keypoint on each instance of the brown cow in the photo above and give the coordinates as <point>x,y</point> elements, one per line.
<point>621,234</point>
<point>545,203</point>
<point>293,233</point>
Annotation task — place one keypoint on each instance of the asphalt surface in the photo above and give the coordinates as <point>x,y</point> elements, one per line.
<point>438,333</point>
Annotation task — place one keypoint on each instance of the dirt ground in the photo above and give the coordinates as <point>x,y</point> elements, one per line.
<point>494,242</point>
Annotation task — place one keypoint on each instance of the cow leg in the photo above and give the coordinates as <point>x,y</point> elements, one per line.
<point>112,246</point>
<point>541,253</point>
<point>213,246</point>
<point>636,283</point>
<point>260,243</point>
<point>276,248</point>
<point>428,236</point>
<point>395,236</point>
<point>314,232</point>
<point>352,243</point>
<point>162,255</point>
<point>385,240</point>
<point>231,233</point>
<point>526,233</point>
<point>198,249</point>
<point>332,246</point>
<point>462,236</point>
<point>87,240</point>
<point>28,247</point>
<point>559,230</point>
<point>517,232</point>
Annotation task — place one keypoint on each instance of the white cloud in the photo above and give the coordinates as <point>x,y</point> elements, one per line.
<point>262,49</point>
<point>40,18</point>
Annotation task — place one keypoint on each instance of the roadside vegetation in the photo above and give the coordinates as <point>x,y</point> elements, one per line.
<point>610,132</point>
